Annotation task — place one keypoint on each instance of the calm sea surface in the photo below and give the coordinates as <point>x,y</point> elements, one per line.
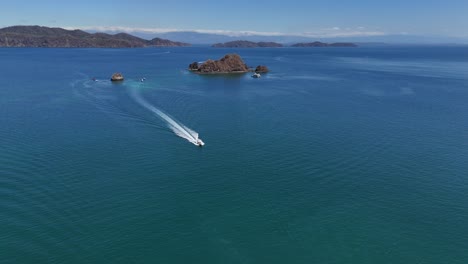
<point>339,155</point>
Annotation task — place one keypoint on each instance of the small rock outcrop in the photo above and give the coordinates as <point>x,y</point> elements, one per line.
<point>261,69</point>
<point>230,63</point>
<point>117,77</point>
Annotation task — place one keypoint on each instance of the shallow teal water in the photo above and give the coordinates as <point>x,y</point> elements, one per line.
<point>336,156</point>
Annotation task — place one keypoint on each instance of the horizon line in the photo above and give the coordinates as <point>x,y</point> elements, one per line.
<point>335,32</point>
<point>329,32</point>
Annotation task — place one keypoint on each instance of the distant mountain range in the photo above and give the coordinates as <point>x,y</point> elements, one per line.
<point>208,38</point>
<point>251,44</point>
<point>37,36</point>
<point>247,44</point>
<point>197,38</point>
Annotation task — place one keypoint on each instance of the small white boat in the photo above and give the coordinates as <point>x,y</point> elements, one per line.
<point>256,75</point>
<point>200,143</point>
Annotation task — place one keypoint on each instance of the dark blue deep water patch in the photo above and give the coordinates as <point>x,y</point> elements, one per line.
<point>339,155</point>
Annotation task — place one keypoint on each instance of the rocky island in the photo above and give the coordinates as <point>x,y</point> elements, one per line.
<point>321,44</point>
<point>261,69</point>
<point>37,36</point>
<point>230,63</point>
<point>247,44</point>
<point>117,77</point>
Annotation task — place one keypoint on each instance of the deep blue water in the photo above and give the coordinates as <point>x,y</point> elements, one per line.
<point>339,155</point>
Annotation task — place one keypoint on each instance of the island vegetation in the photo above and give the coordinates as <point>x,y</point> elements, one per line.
<point>37,36</point>
<point>230,63</point>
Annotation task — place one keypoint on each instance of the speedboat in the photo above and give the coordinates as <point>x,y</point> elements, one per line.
<point>256,75</point>
<point>199,143</point>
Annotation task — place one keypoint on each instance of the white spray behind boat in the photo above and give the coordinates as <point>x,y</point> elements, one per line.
<point>178,128</point>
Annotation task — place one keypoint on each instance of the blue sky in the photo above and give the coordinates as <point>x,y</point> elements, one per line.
<point>313,17</point>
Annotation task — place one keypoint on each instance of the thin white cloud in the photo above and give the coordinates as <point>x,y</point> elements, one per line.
<point>166,30</point>
<point>328,32</point>
<point>236,33</point>
<point>122,29</point>
<point>343,32</point>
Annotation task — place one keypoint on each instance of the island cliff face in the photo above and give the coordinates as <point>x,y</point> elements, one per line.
<point>230,63</point>
<point>321,44</point>
<point>36,36</point>
<point>247,44</point>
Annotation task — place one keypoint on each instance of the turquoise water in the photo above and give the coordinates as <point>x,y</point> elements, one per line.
<point>336,156</point>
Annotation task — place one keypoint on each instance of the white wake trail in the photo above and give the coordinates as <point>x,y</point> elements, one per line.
<point>178,128</point>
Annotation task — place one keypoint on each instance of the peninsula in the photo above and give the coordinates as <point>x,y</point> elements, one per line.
<point>321,44</point>
<point>247,44</point>
<point>37,36</point>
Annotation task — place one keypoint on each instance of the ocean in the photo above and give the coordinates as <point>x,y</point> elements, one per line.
<point>338,155</point>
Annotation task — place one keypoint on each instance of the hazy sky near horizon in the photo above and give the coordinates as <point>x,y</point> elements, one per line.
<point>319,17</point>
